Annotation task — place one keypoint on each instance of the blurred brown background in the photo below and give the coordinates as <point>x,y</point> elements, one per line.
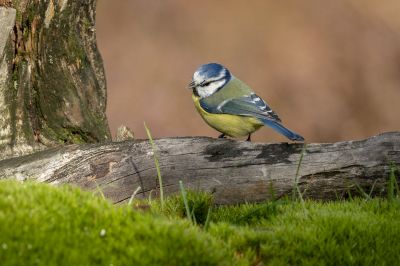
<point>330,69</point>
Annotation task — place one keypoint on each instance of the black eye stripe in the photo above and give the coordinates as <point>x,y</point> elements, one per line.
<point>204,83</point>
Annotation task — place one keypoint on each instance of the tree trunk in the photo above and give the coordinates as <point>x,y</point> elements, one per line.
<point>234,171</point>
<point>52,84</point>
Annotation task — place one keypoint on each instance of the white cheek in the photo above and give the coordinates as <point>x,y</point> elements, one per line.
<point>210,89</point>
<point>197,78</point>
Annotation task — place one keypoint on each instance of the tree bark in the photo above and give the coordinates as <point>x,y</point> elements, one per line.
<point>52,84</point>
<point>234,171</point>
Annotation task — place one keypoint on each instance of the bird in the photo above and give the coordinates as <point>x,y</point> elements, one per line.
<point>230,106</point>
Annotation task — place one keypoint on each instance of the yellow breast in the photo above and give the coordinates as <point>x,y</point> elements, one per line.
<point>231,125</point>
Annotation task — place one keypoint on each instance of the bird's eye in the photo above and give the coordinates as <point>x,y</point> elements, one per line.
<point>203,84</point>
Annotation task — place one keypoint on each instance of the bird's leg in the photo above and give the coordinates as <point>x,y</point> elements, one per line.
<point>222,136</point>
<point>249,138</point>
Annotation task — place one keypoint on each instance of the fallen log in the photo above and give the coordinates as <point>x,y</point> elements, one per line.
<point>234,171</point>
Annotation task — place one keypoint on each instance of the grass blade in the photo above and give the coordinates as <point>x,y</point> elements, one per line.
<point>185,202</point>
<point>372,189</point>
<point>153,146</point>
<point>393,186</point>
<point>296,178</point>
<point>362,192</point>
<point>207,223</point>
<point>98,190</point>
<point>133,195</point>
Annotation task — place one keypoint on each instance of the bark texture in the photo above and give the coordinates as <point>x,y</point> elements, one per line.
<point>52,86</point>
<point>234,171</point>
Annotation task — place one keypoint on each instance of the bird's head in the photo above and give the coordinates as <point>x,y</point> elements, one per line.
<point>208,79</point>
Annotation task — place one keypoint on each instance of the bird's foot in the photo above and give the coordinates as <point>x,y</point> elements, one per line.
<point>222,136</point>
<point>249,138</point>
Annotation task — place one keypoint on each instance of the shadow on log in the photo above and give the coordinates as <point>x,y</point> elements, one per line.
<point>234,171</point>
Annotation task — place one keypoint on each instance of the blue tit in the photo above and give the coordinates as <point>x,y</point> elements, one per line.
<point>230,106</point>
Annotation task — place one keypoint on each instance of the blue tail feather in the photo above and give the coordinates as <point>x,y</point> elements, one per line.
<point>283,130</point>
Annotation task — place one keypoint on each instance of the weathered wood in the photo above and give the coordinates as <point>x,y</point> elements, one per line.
<point>52,84</point>
<point>234,171</point>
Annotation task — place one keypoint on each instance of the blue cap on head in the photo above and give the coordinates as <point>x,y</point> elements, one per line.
<point>212,70</point>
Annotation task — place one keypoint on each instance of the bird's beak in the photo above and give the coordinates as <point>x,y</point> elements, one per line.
<point>191,85</point>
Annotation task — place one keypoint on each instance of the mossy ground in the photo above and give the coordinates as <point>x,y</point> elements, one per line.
<point>45,225</point>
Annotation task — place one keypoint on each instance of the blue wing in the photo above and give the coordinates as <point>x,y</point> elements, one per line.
<point>251,105</point>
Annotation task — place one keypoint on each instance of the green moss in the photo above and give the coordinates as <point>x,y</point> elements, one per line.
<point>77,135</point>
<point>75,49</point>
<point>18,16</point>
<point>248,214</point>
<point>32,11</point>
<point>43,225</point>
<point>66,135</point>
<point>199,205</point>
<point>11,98</point>
<point>26,35</point>
<point>87,25</point>
<point>40,224</point>
<point>283,232</point>
<point>355,232</point>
